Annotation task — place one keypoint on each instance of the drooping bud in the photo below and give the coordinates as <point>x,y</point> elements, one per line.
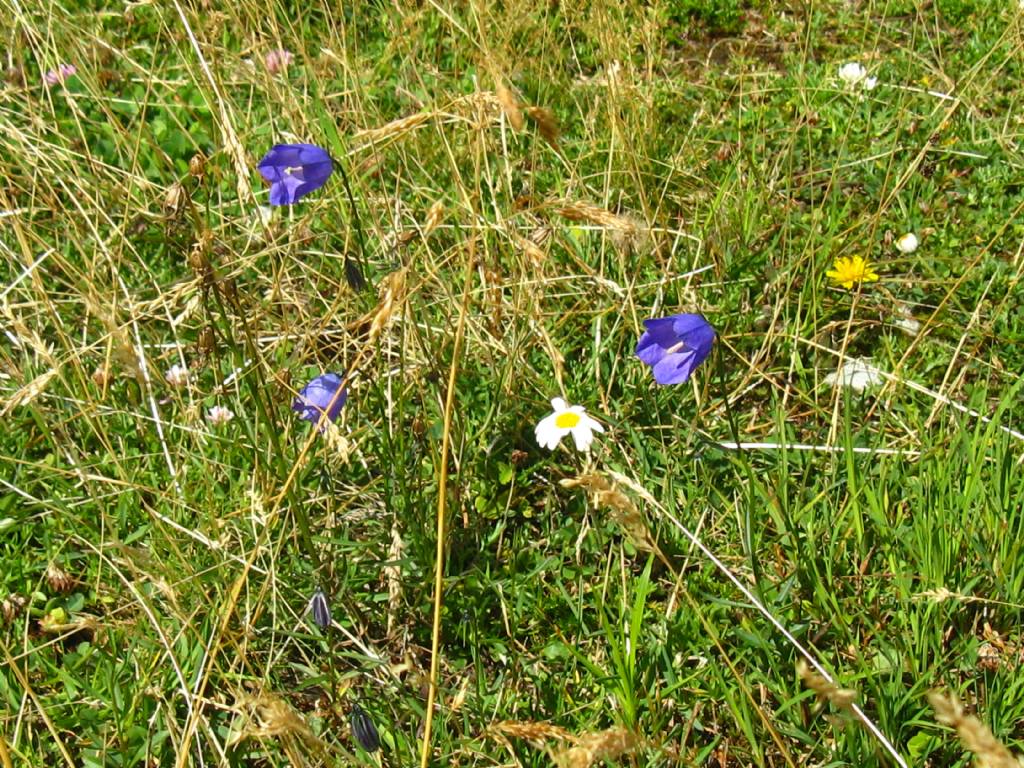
<point>363,729</point>
<point>197,166</point>
<point>321,610</point>
<point>175,198</point>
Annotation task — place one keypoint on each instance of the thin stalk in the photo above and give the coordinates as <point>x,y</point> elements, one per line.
<point>442,494</point>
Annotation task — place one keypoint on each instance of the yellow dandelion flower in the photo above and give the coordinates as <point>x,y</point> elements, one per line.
<point>848,271</point>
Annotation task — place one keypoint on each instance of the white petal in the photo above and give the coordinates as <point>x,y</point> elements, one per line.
<point>859,381</point>
<point>852,72</point>
<point>856,374</point>
<point>591,424</point>
<point>558,405</point>
<point>582,436</point>
<point>548,434</point>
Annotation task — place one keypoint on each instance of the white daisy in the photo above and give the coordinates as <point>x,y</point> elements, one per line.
<point>567,419</point>
<point>219,415</point>
<point>908,243</point>
<point>857,374</point>
<point>177,375</point>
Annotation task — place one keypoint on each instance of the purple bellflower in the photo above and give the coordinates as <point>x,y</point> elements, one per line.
<point>323,395</point>
<point>673,346</point>
<point>294,170</point>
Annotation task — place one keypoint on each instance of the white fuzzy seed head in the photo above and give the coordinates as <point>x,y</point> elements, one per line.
<point>908,243</point>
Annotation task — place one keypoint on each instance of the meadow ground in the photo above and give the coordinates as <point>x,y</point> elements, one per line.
<point>516,187</point>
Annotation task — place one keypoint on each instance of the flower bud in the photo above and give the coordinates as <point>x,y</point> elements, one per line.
<point>197,166</point>
<point>363,729</point>
<point>321,610</point>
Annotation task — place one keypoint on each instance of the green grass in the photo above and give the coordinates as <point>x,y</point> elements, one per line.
<point>156,570</point>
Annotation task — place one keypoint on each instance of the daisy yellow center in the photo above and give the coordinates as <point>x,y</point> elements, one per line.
<point>849,271</point>
<point>567,420</point>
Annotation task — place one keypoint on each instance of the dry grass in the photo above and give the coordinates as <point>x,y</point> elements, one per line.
<point>588,185</point>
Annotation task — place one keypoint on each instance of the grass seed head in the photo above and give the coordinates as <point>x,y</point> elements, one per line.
<point>510,106</point>
<point>434,217</point>
<point>593,214</point>
<point>392,130</point>
<point>537,733</point>
<point>547,124</point>
<point>974,735</point>
<point>392,294</point>
<point>601,746</point>
<point>825,690</point>
<point>623,511</point>
<point>532,251</point>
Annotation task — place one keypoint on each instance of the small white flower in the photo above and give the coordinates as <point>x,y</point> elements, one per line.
<point>263,215</point>
<point>177,375</point>
<point>852,73</point>
<point>219,415</point>
<point>567,419</point>
<point>908,325</point>
<point>857,374</point>
<point>908,243</point>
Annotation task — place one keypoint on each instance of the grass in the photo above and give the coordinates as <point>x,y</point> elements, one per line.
<point>699,156</point>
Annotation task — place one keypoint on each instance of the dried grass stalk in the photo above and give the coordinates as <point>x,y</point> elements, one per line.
<point>392,295</point>
<point>434,217</point>
<point>546,124</point>
<point>593,214</point>
<point>585,750</point>
<point>592,747</point>
<point>394,576</point>
<point>592,482</point>
<point>533,732</point>
<point>28,393</point>
<point>533,253</point>
<point>826,691</point>
<point>974,734</point>
<point>268,716</point>
<point>510,106</point>
<point>392,130</point>
<point>623,511</point>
